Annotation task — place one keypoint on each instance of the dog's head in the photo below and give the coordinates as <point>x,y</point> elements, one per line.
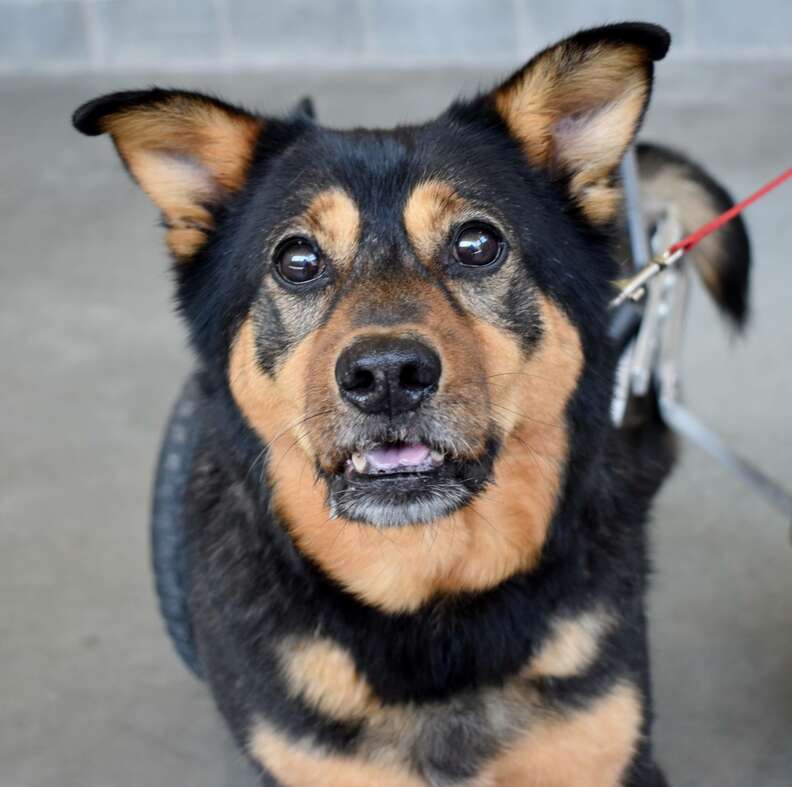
<point>404,318</point>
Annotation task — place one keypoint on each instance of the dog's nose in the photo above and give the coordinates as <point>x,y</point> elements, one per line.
<point>384,375</point>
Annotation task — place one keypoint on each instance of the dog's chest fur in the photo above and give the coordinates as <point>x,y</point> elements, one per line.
<point>323,691</point>
<point>537,727</point>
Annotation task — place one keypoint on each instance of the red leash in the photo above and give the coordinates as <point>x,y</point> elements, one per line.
<point>686,244</point>
<point>634,287</point>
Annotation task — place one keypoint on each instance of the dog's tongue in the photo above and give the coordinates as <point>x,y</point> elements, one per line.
<point>392,457</point>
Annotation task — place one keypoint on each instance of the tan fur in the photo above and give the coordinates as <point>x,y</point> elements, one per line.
<point>324,675</point>
<point>185,153</point>
<point>442,328</point>
<point>671,185</point>
<point>500,533</point>
<point>589,748</point>
<point>572,646</point>
<point>578,111</point>
<point>302,764</point>
<point>428,215</point>
<point>334,220</point>
<point>543,746</point>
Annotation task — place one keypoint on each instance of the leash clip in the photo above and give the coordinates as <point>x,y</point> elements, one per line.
<point>634,288</point>
<point>654,354</point>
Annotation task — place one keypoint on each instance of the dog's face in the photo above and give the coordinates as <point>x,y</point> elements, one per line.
<point>396,317</point>
<point>406,316</point>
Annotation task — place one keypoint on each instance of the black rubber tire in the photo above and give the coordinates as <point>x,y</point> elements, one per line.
<point>167,523</point>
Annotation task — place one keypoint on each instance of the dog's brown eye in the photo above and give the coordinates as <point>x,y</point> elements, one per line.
<point>478,244</point>
<point>298,261</point>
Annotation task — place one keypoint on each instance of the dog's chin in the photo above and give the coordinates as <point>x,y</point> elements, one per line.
<point>381,489</point>
<point>397,502</point>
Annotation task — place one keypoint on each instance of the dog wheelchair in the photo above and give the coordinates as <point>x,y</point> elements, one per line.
<point>648,332</point>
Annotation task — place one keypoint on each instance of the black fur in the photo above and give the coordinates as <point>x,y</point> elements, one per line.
<point>249,586</point>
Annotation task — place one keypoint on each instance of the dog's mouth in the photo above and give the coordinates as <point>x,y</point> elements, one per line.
<point>393,459</point>
<point>392,484</point>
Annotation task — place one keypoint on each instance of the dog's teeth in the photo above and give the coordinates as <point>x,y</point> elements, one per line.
<point>359,462</point>
<point>437,457</point>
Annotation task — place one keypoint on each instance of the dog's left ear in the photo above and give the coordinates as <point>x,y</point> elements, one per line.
<point>187,151</point>
<point>576,107</point>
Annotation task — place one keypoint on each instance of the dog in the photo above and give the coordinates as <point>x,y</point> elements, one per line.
<point>416,546</point>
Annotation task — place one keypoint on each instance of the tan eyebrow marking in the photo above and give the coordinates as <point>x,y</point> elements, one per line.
<point>429,212</point>
<point>333,219</point>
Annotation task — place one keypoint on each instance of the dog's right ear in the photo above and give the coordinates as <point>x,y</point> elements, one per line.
<point>187,151</point>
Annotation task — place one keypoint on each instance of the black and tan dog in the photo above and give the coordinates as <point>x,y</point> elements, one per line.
<point>416,546</point>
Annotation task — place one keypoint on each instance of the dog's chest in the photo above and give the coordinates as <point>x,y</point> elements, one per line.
<point>505,736</point>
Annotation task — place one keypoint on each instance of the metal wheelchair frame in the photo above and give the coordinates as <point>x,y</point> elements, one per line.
<point>652,337</point>
<point>653,352</point>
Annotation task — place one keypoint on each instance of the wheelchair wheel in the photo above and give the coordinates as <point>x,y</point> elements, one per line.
<point>167,523</point>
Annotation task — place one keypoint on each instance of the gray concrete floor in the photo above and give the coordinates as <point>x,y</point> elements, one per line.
<point>91,694</point>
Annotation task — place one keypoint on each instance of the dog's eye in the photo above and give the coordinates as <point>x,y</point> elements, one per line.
<point>298,262</point>
<point>478,244</point>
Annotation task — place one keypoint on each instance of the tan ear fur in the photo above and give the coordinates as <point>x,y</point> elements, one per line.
<point>576,107</point>
<point>187,153</point>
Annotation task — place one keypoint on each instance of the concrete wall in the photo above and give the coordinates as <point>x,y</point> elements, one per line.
<point>47,35</point>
